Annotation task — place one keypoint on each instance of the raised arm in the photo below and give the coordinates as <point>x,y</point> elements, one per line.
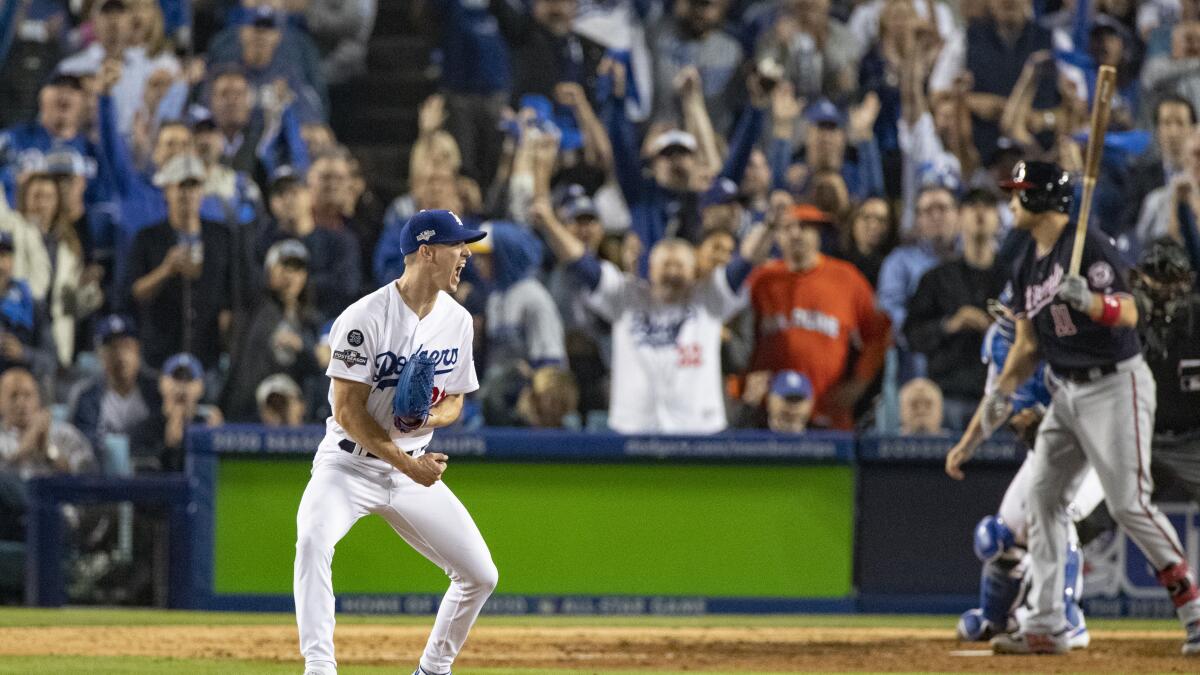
<point>627,164</point>
<point>566,247</point>
<point>748,131</point>
<point>597,148</point>
<point>696,119</point>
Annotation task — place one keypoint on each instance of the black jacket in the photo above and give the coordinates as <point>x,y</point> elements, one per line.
<point>954,360</point>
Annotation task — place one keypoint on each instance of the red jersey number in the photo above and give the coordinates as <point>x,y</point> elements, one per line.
<point>1063,325</point>
<point>690,356</point>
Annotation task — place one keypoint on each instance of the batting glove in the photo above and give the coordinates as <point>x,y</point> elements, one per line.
<point>1075,292</point>
<point>994,412</point>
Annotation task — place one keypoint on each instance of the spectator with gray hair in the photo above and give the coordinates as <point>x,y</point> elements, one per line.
<point>32,442</point>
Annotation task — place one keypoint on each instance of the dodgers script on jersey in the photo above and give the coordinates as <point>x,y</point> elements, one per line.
<point>373,339</point>
<point>1067,339</point>
<point>666,374</point>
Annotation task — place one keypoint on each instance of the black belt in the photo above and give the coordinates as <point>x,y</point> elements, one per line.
<point>350,447</point>
<point>1085,375</point>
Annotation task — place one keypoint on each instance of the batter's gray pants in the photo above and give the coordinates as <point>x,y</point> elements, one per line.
<point>1108,423</point>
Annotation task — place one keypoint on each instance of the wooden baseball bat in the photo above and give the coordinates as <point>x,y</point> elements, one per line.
<point>1106,82</point>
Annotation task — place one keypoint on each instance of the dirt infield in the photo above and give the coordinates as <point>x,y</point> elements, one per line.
<point>606,648</point>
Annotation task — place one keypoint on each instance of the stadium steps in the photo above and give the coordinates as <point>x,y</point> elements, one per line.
<point>376,115</point>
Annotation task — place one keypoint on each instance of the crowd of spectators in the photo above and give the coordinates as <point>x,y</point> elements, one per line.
<point>702,214</point>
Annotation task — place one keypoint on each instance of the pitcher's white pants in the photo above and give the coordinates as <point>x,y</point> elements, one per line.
<point>430,519</point>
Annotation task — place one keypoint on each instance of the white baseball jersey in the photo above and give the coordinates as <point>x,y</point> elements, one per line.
<point>666,366</point>
<point>373,339</point>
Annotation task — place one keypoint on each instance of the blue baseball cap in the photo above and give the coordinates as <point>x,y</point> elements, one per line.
<point>263,16</point>
<point>791,384</point>
<point>722,191</point>
<point>112,327</point>
<point>435,227</point>
<point>824,112</point>
<point>186,362</point>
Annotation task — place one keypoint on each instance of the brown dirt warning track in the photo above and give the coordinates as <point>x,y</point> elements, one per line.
<point>591,648</point>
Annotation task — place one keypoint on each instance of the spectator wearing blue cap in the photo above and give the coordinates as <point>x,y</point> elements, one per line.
<point>48,255</point>
<point>123,399</point>
<point>781,402</point>
<point>181,387</point>
<point>832,145</point>
<point>334,264</point>
<point>182,272</point>
<point>257,51</point>
<point>280,334</point>
<point>25,337</point>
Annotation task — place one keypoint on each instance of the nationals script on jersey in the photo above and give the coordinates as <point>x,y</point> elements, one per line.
<point>373,339</point>
<point>666,364</point>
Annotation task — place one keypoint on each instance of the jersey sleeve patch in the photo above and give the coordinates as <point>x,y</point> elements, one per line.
<point>1101,275</point>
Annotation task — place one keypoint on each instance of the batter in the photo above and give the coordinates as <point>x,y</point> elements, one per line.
<point>1102,412</point>
<point>365,464</point>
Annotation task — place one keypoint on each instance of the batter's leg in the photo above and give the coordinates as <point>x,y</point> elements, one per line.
<point>1116,419</point>
<point>1058,467</point>
<point>336,497</point>
<point>437,525</point>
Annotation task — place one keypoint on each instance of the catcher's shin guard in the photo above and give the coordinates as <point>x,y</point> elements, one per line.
<point>1000,586</point>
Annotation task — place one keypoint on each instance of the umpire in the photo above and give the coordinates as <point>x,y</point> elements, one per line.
<point>1169,309</point>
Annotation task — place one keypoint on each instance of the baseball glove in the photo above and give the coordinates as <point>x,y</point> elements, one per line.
<point>414,393</point>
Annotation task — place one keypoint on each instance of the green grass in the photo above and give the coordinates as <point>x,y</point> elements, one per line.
<point>81,616</point>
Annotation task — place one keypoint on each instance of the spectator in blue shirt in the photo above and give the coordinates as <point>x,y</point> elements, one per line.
<point>60,113</point>
<point>269,48</point>
<point>476,78</point>
<point>935,239</point>
<point>25,338</point>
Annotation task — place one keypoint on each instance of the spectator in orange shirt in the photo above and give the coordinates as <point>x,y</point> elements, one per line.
<point>811,311</point>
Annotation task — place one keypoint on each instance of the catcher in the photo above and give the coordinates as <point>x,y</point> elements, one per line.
<point>401,363</point>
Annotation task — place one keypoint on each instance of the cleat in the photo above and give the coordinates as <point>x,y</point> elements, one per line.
<point>972,627</point>
<point>422,671</point>
<point>1031,643</point>
<point>1191,646</point>
<point>1079,638</point>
